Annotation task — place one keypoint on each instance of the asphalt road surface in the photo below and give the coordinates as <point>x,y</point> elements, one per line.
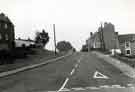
<point>80,72</point>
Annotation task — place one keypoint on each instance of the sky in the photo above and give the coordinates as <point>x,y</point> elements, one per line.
<point>74,19</point>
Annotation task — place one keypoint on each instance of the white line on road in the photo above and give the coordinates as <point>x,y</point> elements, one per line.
<point>78,89</point>
<point>104,86</point>
<point>64,84</point>
<point>116,86</point>
<point>73,70</point>
<point>129,85</point>
<point>65,89</point>
<point>92,88</point>
<point>79,61</point>
<point>67,79</point>
<point>76,65</point>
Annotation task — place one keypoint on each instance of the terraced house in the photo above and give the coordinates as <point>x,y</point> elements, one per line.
<point>127,44</point>
<point>105,38</point>
<point>6,33</point>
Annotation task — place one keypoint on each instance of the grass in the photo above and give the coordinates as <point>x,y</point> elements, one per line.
<point>128,60</point>
<point>32,56</point>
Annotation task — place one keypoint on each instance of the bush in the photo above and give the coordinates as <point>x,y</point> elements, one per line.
<point>19,52</point>
<point>5,57</point>
<point>8,56</point>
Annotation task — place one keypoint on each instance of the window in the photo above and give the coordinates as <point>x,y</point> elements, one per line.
<point>6,26</point>
<point>128,52</point>
<point>127,44</point>
<point>6,37</point>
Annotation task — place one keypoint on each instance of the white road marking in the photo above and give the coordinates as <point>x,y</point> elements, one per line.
<point>73,70</point>
<point>92,88</point>
<point>105,86</point>
<point>65,89</point>
<point>98,75</point>
<point>78,89</point>
<point>116,86</point>
<point>64,84</point>
<point>79,61</point>
<point>67,79</point>
<point>129,84</point>
<point>76,65</point>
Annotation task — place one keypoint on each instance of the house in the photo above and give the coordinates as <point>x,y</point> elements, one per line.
<point>106,38</point>
<point>127,44</point>
<point>94,41</point>
<point>6,33</point>
<point>109,38</point>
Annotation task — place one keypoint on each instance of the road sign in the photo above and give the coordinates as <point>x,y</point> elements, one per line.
<point>98,75</point>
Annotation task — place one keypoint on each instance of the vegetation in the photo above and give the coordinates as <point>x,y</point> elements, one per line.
<point>64,46</point>
<point>42,38</point>
<point>8,57</point>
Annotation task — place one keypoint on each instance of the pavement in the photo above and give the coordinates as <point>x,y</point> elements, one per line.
<point>125,68</point>
<point>79,72</point>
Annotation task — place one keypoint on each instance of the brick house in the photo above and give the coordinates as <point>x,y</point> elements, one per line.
<point>6,33</point>
<point>106,38</point>
<point>127,44</point>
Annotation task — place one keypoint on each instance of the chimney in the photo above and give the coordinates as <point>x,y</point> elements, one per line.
<point>91,33</point>
<point>116,33</point>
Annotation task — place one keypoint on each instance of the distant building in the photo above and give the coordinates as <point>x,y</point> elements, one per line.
<point>127,44</point>
<point>94,41</point>
<point>106,38</point>
<point>6,33</point>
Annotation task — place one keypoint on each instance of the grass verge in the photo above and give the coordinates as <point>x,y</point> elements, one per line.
<point>34,56</point>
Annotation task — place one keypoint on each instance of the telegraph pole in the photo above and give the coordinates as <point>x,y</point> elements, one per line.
<point>102,37</point>
<point>54,38</point>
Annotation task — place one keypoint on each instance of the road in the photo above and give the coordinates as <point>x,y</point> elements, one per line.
<point>80,72</point>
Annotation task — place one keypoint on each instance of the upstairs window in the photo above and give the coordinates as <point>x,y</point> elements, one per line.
<point>6,26</point>
<point>127,44</point>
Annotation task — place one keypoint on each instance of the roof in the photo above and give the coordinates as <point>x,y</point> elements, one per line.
<point>126,37</point>
<point>4,18</point>
<point>94,35</point>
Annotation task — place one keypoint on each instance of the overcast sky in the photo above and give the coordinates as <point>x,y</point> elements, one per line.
<point>74,19</point>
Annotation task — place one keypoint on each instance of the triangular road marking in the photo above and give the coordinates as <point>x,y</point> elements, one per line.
<point>65,89</point>
<point>99,75</point>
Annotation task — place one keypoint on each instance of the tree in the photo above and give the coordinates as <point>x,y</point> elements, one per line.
<point>64,46</point>
<point>42,38</point>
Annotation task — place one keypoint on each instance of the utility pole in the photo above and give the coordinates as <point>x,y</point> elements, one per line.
<point>54,38</point>
<point>88,42</point>
<point>102,37</point>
